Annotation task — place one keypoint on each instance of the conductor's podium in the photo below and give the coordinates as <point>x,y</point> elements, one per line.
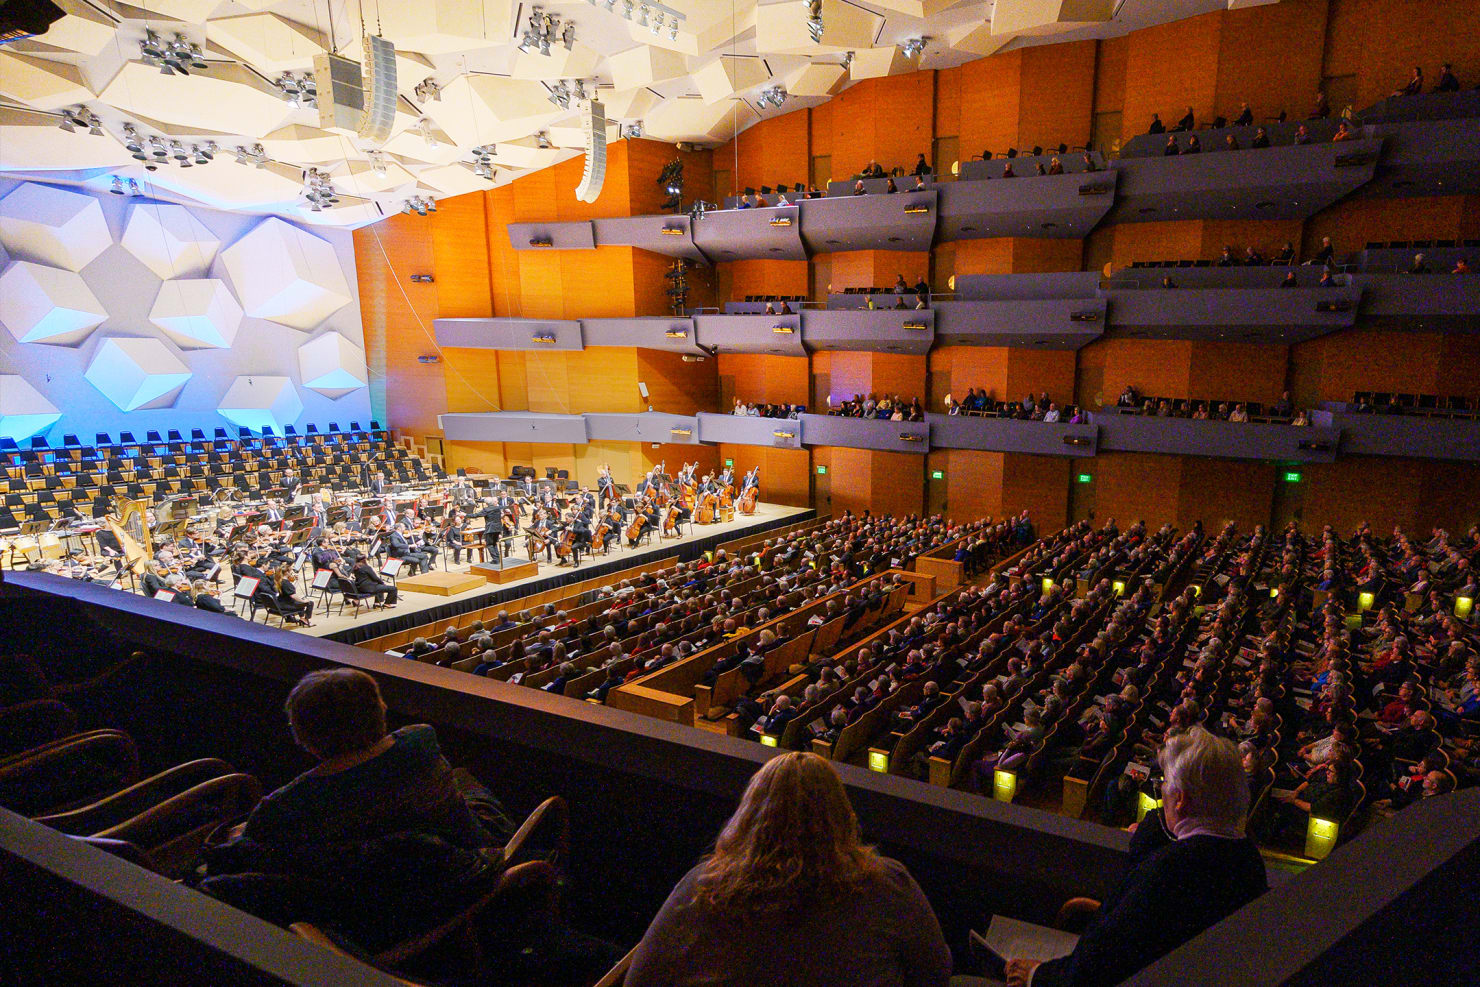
<point>441,583</point>
<point>510,572</point>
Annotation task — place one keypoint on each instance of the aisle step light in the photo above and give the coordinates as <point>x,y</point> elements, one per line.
<point>1463,607</point>
<point>1119,587</point>
<point>878,760</point>
<point>768,740</point>
<point>1004,785</point>
<point>1365,600</point>
<point>1320,837</point>
<point>1047,583</point>
<point>1145,804</point>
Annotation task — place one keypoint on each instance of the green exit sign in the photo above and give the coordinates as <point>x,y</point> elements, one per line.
<point>729,464</point>
<point>937,474</point>
<point>1292,477</point>
<point>822,471</point>
<point>1085,477</point>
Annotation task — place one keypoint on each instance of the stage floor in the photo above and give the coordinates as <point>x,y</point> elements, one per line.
<point>410,603</point>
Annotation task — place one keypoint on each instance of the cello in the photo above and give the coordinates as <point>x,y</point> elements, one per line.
<point>708,504</point>
<point>670,520</point>
<point>639,522</point>
<point>566,544</point>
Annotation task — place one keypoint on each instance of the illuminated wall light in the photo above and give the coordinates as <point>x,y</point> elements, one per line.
<point>937,474</point>
<point>1085,477</point>
<point>821,470</point>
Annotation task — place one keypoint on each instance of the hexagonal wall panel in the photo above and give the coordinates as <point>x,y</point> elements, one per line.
<point>261,402</point>
<point>24,411</point>
<point>332,365</point>
<point>271,43</point>
<point>200,99</point>
<point>286,275</point>
<point>197,313</point>
<point>32,141</point>
<point>41,84</point>
<point>41,304</point>
<point>169,240</point>
<point>50,226</point>
<point>437,27</point>
<point>137,373</point>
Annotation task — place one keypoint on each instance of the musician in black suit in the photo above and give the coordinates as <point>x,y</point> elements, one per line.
<point>377,483</point>
<point>291,485</point>
<point>324,556</point>
<point>401,548</point>
<point>453,537</point>
<point>369,583</point>
<point>582,527</point>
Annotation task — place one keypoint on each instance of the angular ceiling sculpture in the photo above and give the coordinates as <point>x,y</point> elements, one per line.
<point>137,373</point>
<point>332,365</point>
<point>261,402</point>
<point>169,240</point>
<point>24,411</point>
<point>52,226</point>
<point>197,313</point>
<point>40,304</point>
<point>285,275</point>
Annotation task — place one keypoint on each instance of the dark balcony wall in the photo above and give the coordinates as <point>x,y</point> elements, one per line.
<point>862,433</point>
<point>648,426</point>
<point>1048,323</point>
<point>1280,135</point>
<point>1285,315</point>
<point>1428,158</point>
<point>748,431</point>
<point>888,331</point>
<point>1426,106</point>
<point>1000,287</point>
<point>651,334</point>
<point>1009,435</point>
<point>562,236</point>
<point>515,426</point>
<point>735,234</point>
<point>1053,206</point>
<point>751,334</point>
<point>648,232</point>
<point>1449,303</point>
<point>1228,440</point>
<point>1025,165</point>
<point>1270,183</point>
<point>509,334</point>
<point>869,222</point>
<point>1410,436</point>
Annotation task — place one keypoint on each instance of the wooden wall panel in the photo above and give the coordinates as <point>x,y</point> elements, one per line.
<point>819,123</point>
<point>1179,240</point>
<point>896,482</point>
<point>876,268</point>
<point>1262,62</point>
<point>1037,371</point>
<point>675,386</point>
<point>397,315</point>
<point>991,104</point>
<point>966,367</point>
<point>1038,485</point>
<point>1170,67</point>
<point>1237,371</point>
<point>598,283</point>
<point>472,379</point>
<point>786,474</point>
<point>649,290</point>
<point>1335,367</point>
<point>1383,41</point>
<point>886,120</point>
<point>776,150</point>
<point>1162,368</point>
<point>735,279</point>
<point>1133,486</point>
<point>948,109</point>
<point>513,380</point>
<point>759,377</point>
<point>1216,491</point>
<point>1356,222</point>
<point>973,483</point>
<point>460,257</point>
<point>990,256</point>
<point>541,292</point>
<point>476,457</point>
<point>1056,94</point>
<point>1036,256</point>
<point>1382,492</point>
<point>503,259</point>
<point>1110,75</point>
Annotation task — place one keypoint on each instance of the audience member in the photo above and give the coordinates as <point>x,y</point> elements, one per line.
<point>790,887</point>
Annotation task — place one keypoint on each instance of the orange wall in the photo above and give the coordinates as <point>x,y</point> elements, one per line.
<point>760,378</point>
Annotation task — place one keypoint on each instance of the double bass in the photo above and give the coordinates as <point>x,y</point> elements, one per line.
<point>670,520</point>
<point>566,545</point>
<point>748,499</point>
<point>708,505</point>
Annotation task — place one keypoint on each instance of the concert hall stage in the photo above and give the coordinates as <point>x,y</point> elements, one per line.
<point>421,608</point>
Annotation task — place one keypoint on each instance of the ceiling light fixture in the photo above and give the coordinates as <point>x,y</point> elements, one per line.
<point>254,155</point>
<point>301,92</point>
<point>318,190</point>
<point>177,55</point>
<point>915,47</point>
<point>419,205</point>
<point>427,89</point>
<point>815,27</point>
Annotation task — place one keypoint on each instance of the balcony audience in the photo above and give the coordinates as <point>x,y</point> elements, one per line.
<point>790,887</point>
<point>874,170</point>
<point>1191,866</point>
<point>1414,85</point>
<point>1320,111</point>
<point>768,410</point>
<point>1447,82</point>
<point>885,408</point>
<point>1344,132</point>
<point>1157,127</point>
<point>922,167</point>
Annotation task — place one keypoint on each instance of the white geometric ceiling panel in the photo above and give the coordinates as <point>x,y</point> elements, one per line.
<point>467,77</point>
<point>137,373</point>
<point>32,141</point>
<point>271,43</point>
<point>815,79</point>
<point>197,313</point>
<point>482,109</point>
<point>41,84</point>
<point>783,27</point>
<point>24,411</point>
<point>82,29</point>
<point>52,226</point>
<point>726,76</point>
<point>645,66</point>
<point>286,275</point>
<point>1042,17</point>
<point>169,240</point>
<point>437,27</point>
<point>261,402</point>
<point>40,304</point>
<point>577,62</point>
<point>201,99</point>
<point>332,365</point>
<point>875,63</point>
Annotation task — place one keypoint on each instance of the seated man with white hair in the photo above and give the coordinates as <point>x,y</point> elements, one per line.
<point>1191,867</point>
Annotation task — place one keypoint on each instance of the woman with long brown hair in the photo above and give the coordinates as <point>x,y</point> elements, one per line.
<point>791,895</point>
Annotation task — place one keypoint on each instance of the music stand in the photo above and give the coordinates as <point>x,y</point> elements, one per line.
<point>244,590</point>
